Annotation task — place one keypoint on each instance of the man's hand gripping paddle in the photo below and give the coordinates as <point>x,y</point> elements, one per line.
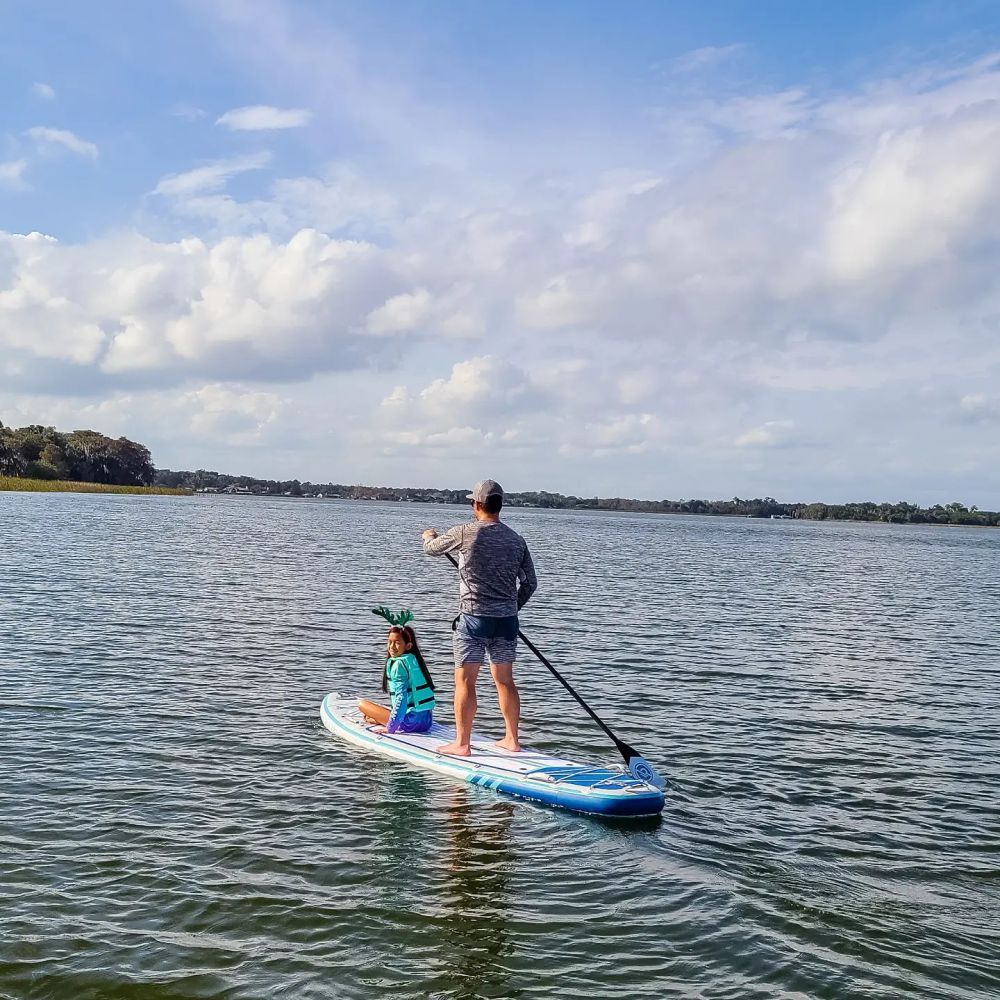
<point>636,764</point>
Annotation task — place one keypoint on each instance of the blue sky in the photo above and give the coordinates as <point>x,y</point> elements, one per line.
<point>649,249</point>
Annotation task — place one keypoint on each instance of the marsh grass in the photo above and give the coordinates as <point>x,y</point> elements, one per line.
<point>63,486</point>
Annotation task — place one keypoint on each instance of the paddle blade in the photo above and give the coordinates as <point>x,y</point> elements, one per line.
<point>640,768</point>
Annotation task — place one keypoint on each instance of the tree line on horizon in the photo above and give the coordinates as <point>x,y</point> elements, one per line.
<point>766,507</point>
<point>87,456</point>
<point>36,452</point>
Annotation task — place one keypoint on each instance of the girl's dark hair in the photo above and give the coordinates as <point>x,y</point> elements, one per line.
<point>411,637</point>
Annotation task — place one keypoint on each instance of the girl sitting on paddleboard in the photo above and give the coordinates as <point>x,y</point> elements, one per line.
<point>405,679</point>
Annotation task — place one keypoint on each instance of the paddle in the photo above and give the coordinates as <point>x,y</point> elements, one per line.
<point>637,765</point>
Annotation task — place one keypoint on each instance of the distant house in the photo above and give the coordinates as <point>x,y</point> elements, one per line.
<point>241,490</point>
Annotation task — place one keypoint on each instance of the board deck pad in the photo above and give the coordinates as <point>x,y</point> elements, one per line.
<point>527,773</point>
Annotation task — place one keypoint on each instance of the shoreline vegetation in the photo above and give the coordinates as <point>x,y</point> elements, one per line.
<point>36,453</point>
<point>17,484</point>
<point>204,481</point>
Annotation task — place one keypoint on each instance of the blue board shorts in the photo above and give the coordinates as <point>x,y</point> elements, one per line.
<point>479,639</point>
<point>416,722</point>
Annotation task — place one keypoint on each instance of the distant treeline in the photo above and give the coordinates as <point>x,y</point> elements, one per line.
<point>37,452</point>
<point>895,513</point>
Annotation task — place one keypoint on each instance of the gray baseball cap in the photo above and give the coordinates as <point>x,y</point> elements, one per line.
<point>485,488</point>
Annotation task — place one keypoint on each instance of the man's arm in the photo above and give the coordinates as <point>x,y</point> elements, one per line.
<point>527,582</point>
<point>438,545</point>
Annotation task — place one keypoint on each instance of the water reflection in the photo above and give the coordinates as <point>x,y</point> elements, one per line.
<point>401,818</point>
<point>479,868</point>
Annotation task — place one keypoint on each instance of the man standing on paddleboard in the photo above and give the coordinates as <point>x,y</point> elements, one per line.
<point>496,579</point>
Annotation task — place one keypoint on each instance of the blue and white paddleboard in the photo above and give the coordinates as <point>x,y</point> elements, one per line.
<point>530,774</point>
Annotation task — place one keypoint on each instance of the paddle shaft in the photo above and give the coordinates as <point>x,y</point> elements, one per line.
<point>624,749</point>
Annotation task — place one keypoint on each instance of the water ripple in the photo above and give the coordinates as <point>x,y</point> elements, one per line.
<point>174,822</point>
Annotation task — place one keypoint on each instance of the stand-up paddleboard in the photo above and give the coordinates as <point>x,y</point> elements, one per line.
<point>529,773</point>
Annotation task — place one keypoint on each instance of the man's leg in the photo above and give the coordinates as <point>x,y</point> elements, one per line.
<point>465,709</point>
<point>510,704</point>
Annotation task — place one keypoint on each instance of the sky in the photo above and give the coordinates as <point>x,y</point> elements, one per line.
<point>644,249</point>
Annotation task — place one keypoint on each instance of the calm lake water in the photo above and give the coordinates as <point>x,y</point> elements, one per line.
<point>174,821</point>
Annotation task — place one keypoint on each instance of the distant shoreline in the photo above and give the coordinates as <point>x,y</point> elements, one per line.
<point>605,510</point>
<point>951,515</point>
<point>40,459</point>
<point>902,512</point>
<point>15,484</point>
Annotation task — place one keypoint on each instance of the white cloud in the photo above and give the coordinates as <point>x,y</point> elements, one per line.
<point>246,302</point>
<point>211,177</point>
<point>220,416</point>
<point>479,386</point>
<point>564,300</point>
<point>38,320</point>
<point>188,112</point>
<point>296,49</point>
<point>978,407</point>
<point>489,406</point>
<point>43,91</point>
<point>485,396</point>
<point>731,262</point>
<point>706,58</point>
<point>341,198</point>
<point>261,117</point>
<point>637,386</point>
<point>762,116</point>
<point>12,174</point>
<point>828,259</point>
<point>400,313</point>
<point>129,306</point>
<point>914,198</point>
<point>772,434</point>
<point>631,433</point>
<point>46,138</point>
<point>238,415</point>
<point>340,202</point>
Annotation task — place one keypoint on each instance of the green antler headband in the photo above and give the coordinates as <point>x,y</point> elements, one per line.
<point>391,617</point>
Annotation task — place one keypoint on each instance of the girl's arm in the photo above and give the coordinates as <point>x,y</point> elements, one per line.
<point>399,699</point>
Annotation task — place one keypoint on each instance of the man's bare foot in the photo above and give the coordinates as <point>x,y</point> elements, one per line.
<point>512,746</point>
<point>455,750</point>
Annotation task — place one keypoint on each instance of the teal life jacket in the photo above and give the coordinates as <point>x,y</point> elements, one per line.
<point>420,696</point>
